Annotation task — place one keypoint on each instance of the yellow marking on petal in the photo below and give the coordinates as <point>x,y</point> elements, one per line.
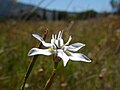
<point>68,52</point>
<point>51,49</point>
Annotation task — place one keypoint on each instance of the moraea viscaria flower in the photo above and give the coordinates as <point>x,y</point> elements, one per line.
<point>63,50</point>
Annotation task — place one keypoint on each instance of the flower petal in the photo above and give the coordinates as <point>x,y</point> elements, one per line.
<point>78,57</point>
<point>55,36</point>
<point>53,40</point>
<point>63,56</point>
<point>70,38</point>
<point>59,35</point>
<point>75,47</point>
<point>61,42</point>
<point>41,40</point>
<point>56,43</point>
<point>36,51</point>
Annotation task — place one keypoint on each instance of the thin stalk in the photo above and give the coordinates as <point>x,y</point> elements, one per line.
<point>50,80</point>
<point>30,67</point>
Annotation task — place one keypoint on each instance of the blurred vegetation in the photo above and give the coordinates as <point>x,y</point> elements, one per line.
<point>115,5</point>
<point>87,14</point>
<point>102,39</point>
<point>78,16</point>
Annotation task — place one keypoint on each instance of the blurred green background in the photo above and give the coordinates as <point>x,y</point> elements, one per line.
<point>102,39</point>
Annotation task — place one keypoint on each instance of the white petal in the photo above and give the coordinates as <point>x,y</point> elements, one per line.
<point>59,34</point>
<point>56,43</point>
<point>78,57</point>
<point>38,37</point>
<point>70,38</point>
<point>63,56</point>
<point>61,42</point>
<point>36,51</point>
<point>52,40</point>
<point>75,47</point>
<point>41,40</point>
<point>53,43</point>
<point>55,36</point>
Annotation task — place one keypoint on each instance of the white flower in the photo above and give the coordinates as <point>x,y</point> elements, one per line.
<point>57,46</point>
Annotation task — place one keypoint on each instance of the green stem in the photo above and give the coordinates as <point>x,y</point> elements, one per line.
<point>29,71</point>
<point>32,63</point>
<point>50,80</point>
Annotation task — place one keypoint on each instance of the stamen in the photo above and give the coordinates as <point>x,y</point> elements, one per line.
<point>59,34</point>
<point>55,37</point>
<point>52,36</point>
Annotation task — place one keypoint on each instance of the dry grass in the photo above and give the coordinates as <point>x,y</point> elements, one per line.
<point>102,39</point>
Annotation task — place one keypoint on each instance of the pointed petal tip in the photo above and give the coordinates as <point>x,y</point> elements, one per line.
<point>64,64</point>
<point>83,44</point>
<point>63,56</point>
<point>88,61</point>
<point>30,53</point>
<point>70,37</point>
<point>34,35</point>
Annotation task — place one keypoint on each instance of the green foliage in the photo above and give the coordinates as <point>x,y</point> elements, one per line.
<point>87,14</point>
<point>101,37</point>
<point>116,5</point>
<point>62,15</point>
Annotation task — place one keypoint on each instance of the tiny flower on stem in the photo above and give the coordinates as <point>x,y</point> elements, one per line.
<point>63,50</point>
